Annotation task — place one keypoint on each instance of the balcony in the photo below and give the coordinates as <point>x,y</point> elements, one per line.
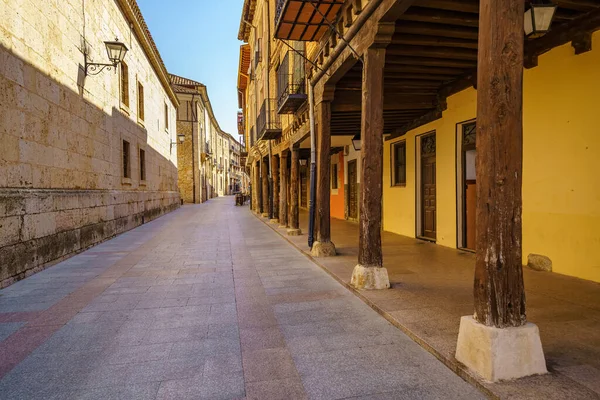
<point>291,86</point>
<point>268,122</point>
<point>304,20</point>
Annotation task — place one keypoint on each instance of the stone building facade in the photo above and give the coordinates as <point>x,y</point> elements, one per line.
<point>205,153</point>
<point>83,158</point>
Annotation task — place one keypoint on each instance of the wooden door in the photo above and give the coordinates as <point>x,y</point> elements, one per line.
<point>303,187</point>
<point>352,190</point>
<point>428,187</point>
<point>469,155</point>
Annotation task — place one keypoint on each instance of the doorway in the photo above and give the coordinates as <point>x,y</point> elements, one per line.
<point>303,187</point>
<point>427,229</point>
<point>467,185</point>
<point>352,190</point>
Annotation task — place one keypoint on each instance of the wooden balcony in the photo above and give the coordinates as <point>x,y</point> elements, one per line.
<point>305,20</point>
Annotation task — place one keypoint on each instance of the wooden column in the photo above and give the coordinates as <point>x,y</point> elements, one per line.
<point>265,186</point>
<point>257,188</point>
<point>369,243</point>
<point>283,201</point>
<point>275,170</point>
<point>322,215</point>
<point>499,290</point>
<point>294,217</point>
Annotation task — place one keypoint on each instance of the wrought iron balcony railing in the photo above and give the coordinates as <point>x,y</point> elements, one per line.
<point>269,121</point>
<point>291,86</point>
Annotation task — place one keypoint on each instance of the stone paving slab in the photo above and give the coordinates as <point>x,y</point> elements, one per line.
<point>204,303</point>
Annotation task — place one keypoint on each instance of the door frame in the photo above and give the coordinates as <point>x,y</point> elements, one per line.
<point>461,204</point>
<point>356,211</point>
<point>419,188</point>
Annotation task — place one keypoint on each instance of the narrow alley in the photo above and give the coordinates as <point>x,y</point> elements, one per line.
<point>190,307</point>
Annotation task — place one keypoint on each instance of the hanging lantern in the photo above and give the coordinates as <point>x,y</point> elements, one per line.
<point>356,142</point>
<point>538,18</point>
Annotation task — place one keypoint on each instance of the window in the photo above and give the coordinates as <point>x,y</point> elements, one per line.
<point>166,117</point>
<point>124,84</point>
<point>126,160</point>
<point>399,164</point>
<point>334,176</point>
<point>140,109</point>
<point>142,165</point>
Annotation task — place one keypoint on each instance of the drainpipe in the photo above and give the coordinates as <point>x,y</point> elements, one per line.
<point>193,157</point>
<point>360,21</point>
<point>268,108</point>
<point>313,167</point>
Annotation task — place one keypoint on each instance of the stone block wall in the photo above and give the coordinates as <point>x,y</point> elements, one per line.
<point>41,226</point>
<point>62,187</point>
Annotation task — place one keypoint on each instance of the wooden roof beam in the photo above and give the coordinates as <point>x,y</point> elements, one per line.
<point>437,29</point>
<point>437,16</point>
<point>468,6</point>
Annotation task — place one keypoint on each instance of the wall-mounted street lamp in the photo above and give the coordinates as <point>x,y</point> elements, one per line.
<point>538,18</point>
<point>180,137</point>
<point>356,142</point>
<point>116,53</point>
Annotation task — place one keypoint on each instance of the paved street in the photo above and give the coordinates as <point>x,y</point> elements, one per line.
<point>191,307</point>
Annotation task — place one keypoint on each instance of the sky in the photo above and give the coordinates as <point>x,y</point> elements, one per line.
<point>197,39</point>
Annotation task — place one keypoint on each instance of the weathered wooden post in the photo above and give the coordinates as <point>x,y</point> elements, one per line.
<point>323,246</point>
<point>283,202</point>
<point>497,342</point>
<point>294,216</point>
<point>370,273</point>
<point>265,187</point>
<point>275,172</point>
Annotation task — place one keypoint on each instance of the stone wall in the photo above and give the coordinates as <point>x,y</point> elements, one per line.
<point>41,226</point>
<point>62,183</point>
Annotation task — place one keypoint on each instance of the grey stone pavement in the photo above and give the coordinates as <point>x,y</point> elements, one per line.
<point>204,303</point>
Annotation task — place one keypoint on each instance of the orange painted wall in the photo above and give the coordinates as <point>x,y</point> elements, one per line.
<point>337,208</point>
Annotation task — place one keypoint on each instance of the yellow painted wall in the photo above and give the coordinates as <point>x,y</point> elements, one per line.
<point>561,151</point>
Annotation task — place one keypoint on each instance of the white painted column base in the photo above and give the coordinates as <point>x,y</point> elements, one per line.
<point>498,354</point>
<point>294,232</point>
<point>323,249</point>
<point>274,221</point>
<point>370,278</point>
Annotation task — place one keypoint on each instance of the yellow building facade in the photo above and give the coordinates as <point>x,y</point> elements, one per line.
<point>561,199</point>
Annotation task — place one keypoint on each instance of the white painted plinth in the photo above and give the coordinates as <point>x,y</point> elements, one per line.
<point>370,278</point>
<point>323,249</point>
<point>294,232</point>
<point>500,353</point>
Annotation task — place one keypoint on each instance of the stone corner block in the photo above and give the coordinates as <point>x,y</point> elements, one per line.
<point>274,221</point>
<point>370,278</point>
<point>323,249</point>
<point>294,232</point>
<point>538,262</point>
<point>498,354</point>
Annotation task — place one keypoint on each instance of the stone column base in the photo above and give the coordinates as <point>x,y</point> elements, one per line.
<point>265,215</point>
<point>370,278</point>
<point>323,249</point>
<point>500,353</point>
<point>283,226</point>
<point>294,232</point>
<point>274,221</point>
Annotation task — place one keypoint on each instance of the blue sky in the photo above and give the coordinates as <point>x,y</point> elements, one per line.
<point>197,39</point>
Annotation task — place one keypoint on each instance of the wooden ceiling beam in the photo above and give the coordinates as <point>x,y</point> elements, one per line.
<point>432,52</point>
<point>431,62</point>
<point>579,5</point>
<point>424,40</point>
<point>438,16</point>
<point>468,6</point>
<point>436,29</point>
<point>408,69</point>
